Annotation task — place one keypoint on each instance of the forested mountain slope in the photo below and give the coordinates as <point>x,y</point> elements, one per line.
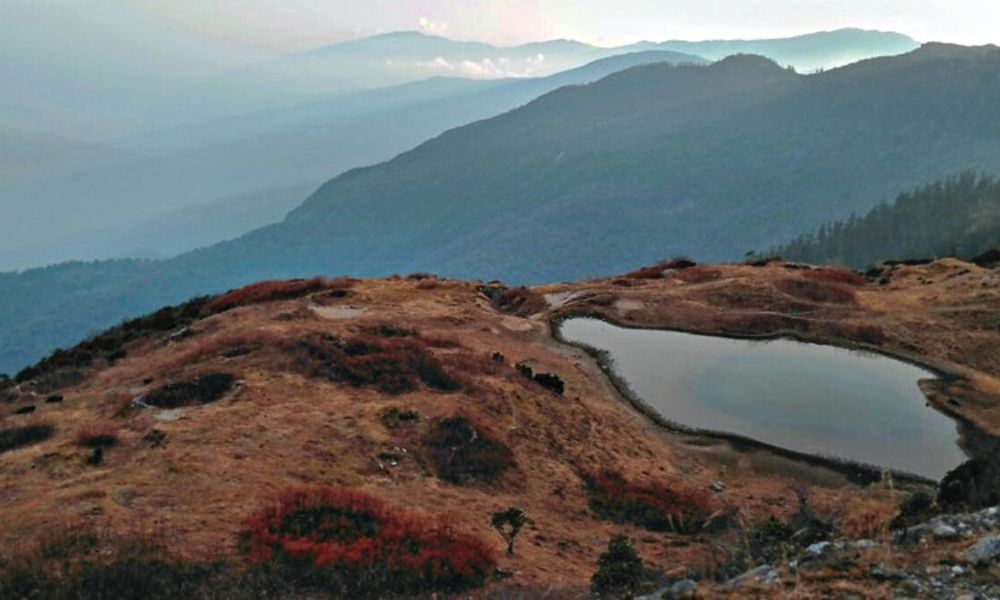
<point>959,216</point>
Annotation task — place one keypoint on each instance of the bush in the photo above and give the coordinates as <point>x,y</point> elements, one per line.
<point>817,290</point>
<point>620,572</point>
<point>549,381</point>
<point>352,543</point>
<point>109,343</point>
<point>508,524</point>
<point>520,301</point>
<point>462,452</point>
<point>697,274</point>
<point>393,365</point>
<point>650,505</point>
<point>80,565</point>
<point>200,390</point>
<point>97,436</point>
<point>972,485</point>
<point>656,271</point>
<point>20,437</point>
<point>270,291</point>
<point>835,275</point>
<point>394,417</point>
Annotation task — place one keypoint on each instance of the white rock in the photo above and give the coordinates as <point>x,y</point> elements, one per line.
<point>985,551</point>
<point>944,532</point>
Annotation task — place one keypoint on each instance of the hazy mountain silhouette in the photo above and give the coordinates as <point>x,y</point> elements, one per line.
<point>821,50</point>
<point>305,145</point>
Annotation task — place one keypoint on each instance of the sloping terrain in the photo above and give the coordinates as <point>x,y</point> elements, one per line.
<point>213,408</point>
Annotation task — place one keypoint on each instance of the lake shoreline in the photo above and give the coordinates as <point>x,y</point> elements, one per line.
<point>971,440</point>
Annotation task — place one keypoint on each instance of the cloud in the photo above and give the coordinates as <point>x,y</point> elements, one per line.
<point>487,68</point>
<point>433,28</point>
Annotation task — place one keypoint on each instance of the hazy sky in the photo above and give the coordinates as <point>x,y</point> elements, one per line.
<point>281,25</point>
<point>288,24</point>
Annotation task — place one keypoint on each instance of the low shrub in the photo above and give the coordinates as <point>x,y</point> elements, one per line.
<point>656,271</point>
<point>25,410</point>
<point>394,365</point>
<point>200,390</point>
<point>817,290</point>
<point>917,507</point>
<point>354,544</point>
<point>650,272</point>
<point>97,436</point>
<point>549,381</point>
<point>651,505</point>
<point>5,382</point>
<point>620,571</point>
<point>20,437</point>
<point>270,291</point>
<point>697,274</point>
<point>835,275</point>
<point>972,485</point>
<point>773,540</point>
<point>462,452</point>
<point>988,259</point>
<point>81,565</point>
<point>109,343</point>
<point>520,301</point>
<point>394,417</point>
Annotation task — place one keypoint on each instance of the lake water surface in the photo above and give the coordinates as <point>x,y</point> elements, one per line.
<point>805,397</point>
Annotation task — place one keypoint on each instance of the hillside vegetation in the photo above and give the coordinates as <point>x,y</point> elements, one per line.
<point>959,216</point>
<point>370,438</point>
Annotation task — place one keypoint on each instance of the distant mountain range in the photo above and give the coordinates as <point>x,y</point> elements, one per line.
<point>300,146</point>
<point>959,216</point>
<point>204,145</point>
<point>805,53</point>
<point>587,180</point>
<point>401,57</point>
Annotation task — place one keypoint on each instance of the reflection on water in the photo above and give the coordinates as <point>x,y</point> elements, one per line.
<point>805,397</point>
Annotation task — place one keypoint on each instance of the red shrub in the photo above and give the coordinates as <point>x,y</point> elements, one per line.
<point>464,452</point>
<point>394,365</point>
<point>648,504</point>
<point>817,290</point>
<point>353,541</point>
<point>268,291</point>
<point>97,436</point>
<point>835,275</point>
<point>656,271</point>
<point>650,272</point>
<point>698,274</point>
